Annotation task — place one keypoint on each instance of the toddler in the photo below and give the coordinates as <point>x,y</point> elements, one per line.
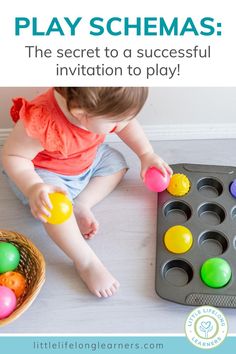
<point>57,146</point>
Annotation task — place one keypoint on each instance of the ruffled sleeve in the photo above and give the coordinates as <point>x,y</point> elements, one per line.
<point>39,124</point>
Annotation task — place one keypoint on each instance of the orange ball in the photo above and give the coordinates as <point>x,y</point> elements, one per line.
<point>14,281</point>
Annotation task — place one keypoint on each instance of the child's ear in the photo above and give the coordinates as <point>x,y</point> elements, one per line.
<point>78,113</point>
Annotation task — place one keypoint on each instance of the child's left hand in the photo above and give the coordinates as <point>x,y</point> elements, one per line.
<point>150,159</point>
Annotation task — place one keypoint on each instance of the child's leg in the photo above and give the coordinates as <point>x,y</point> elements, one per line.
<point>97,189</point>
<point>68,237</point>
<point>97,278</point>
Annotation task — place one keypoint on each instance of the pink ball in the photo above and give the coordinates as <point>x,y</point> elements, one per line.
<point>7,302</point>
<point>155,181</point>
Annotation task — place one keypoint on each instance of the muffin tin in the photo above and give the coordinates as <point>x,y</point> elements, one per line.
<point>209,212</point>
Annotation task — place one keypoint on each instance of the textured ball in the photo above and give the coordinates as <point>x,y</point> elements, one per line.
<point>61,208</point>
<point>155,181</point>
<point>179,185</point>
<point>14,281</point>
<point>215,272</point>
<point>9,257</point>
<point>7,302</point>
<point>178,239</point>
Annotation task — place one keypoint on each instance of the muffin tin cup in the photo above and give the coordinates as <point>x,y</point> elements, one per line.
<point>177,212</point>
<point>209,187</point>
<point>233,213</point>
<point>211,214</point>
<point>213,243</point>
<point>177,272</point>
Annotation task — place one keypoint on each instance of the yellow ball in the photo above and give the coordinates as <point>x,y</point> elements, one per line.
<point>178,239</point>
<point>61,208</point>
<point>179,185</point>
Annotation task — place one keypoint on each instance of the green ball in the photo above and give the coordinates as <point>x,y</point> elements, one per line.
<point>215,272</point>
<point>9,257</point>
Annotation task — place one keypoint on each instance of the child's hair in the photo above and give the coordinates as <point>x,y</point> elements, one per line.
<point>111,102</point>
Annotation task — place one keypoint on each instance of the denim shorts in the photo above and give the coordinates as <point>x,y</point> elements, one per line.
<point>107,162</point>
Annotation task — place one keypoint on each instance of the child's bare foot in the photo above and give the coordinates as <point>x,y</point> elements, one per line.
<point>86,221</point>
<point>97,278</point>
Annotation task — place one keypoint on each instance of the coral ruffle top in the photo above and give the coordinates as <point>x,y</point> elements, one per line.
<point>68,149</point>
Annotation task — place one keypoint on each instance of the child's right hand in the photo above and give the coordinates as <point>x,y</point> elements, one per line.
<point>39,200</point>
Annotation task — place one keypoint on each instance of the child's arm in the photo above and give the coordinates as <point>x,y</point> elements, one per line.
<point>18,153</point>
<point>134,136</point>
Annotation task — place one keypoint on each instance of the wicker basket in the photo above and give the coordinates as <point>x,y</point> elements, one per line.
<point>32,266</point>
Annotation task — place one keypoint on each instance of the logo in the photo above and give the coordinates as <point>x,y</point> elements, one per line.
<point>206,327</point>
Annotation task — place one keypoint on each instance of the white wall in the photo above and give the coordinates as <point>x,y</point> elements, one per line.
<point>190,105</point>
<point>165,106</point>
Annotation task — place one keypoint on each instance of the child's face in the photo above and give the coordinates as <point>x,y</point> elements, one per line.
<point>99,125</point>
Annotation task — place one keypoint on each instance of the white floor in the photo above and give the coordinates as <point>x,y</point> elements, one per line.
<point>125,243</point>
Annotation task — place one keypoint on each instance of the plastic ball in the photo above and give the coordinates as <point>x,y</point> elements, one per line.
<point>232,188</point>
<point>9,257</point>
<point>178,239</point>
<point>179,185</point>
<point>155,181</point>
<point>215,272</point>
<point>7,302</point>
<point>61,208</point>
<point>14,281</point>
